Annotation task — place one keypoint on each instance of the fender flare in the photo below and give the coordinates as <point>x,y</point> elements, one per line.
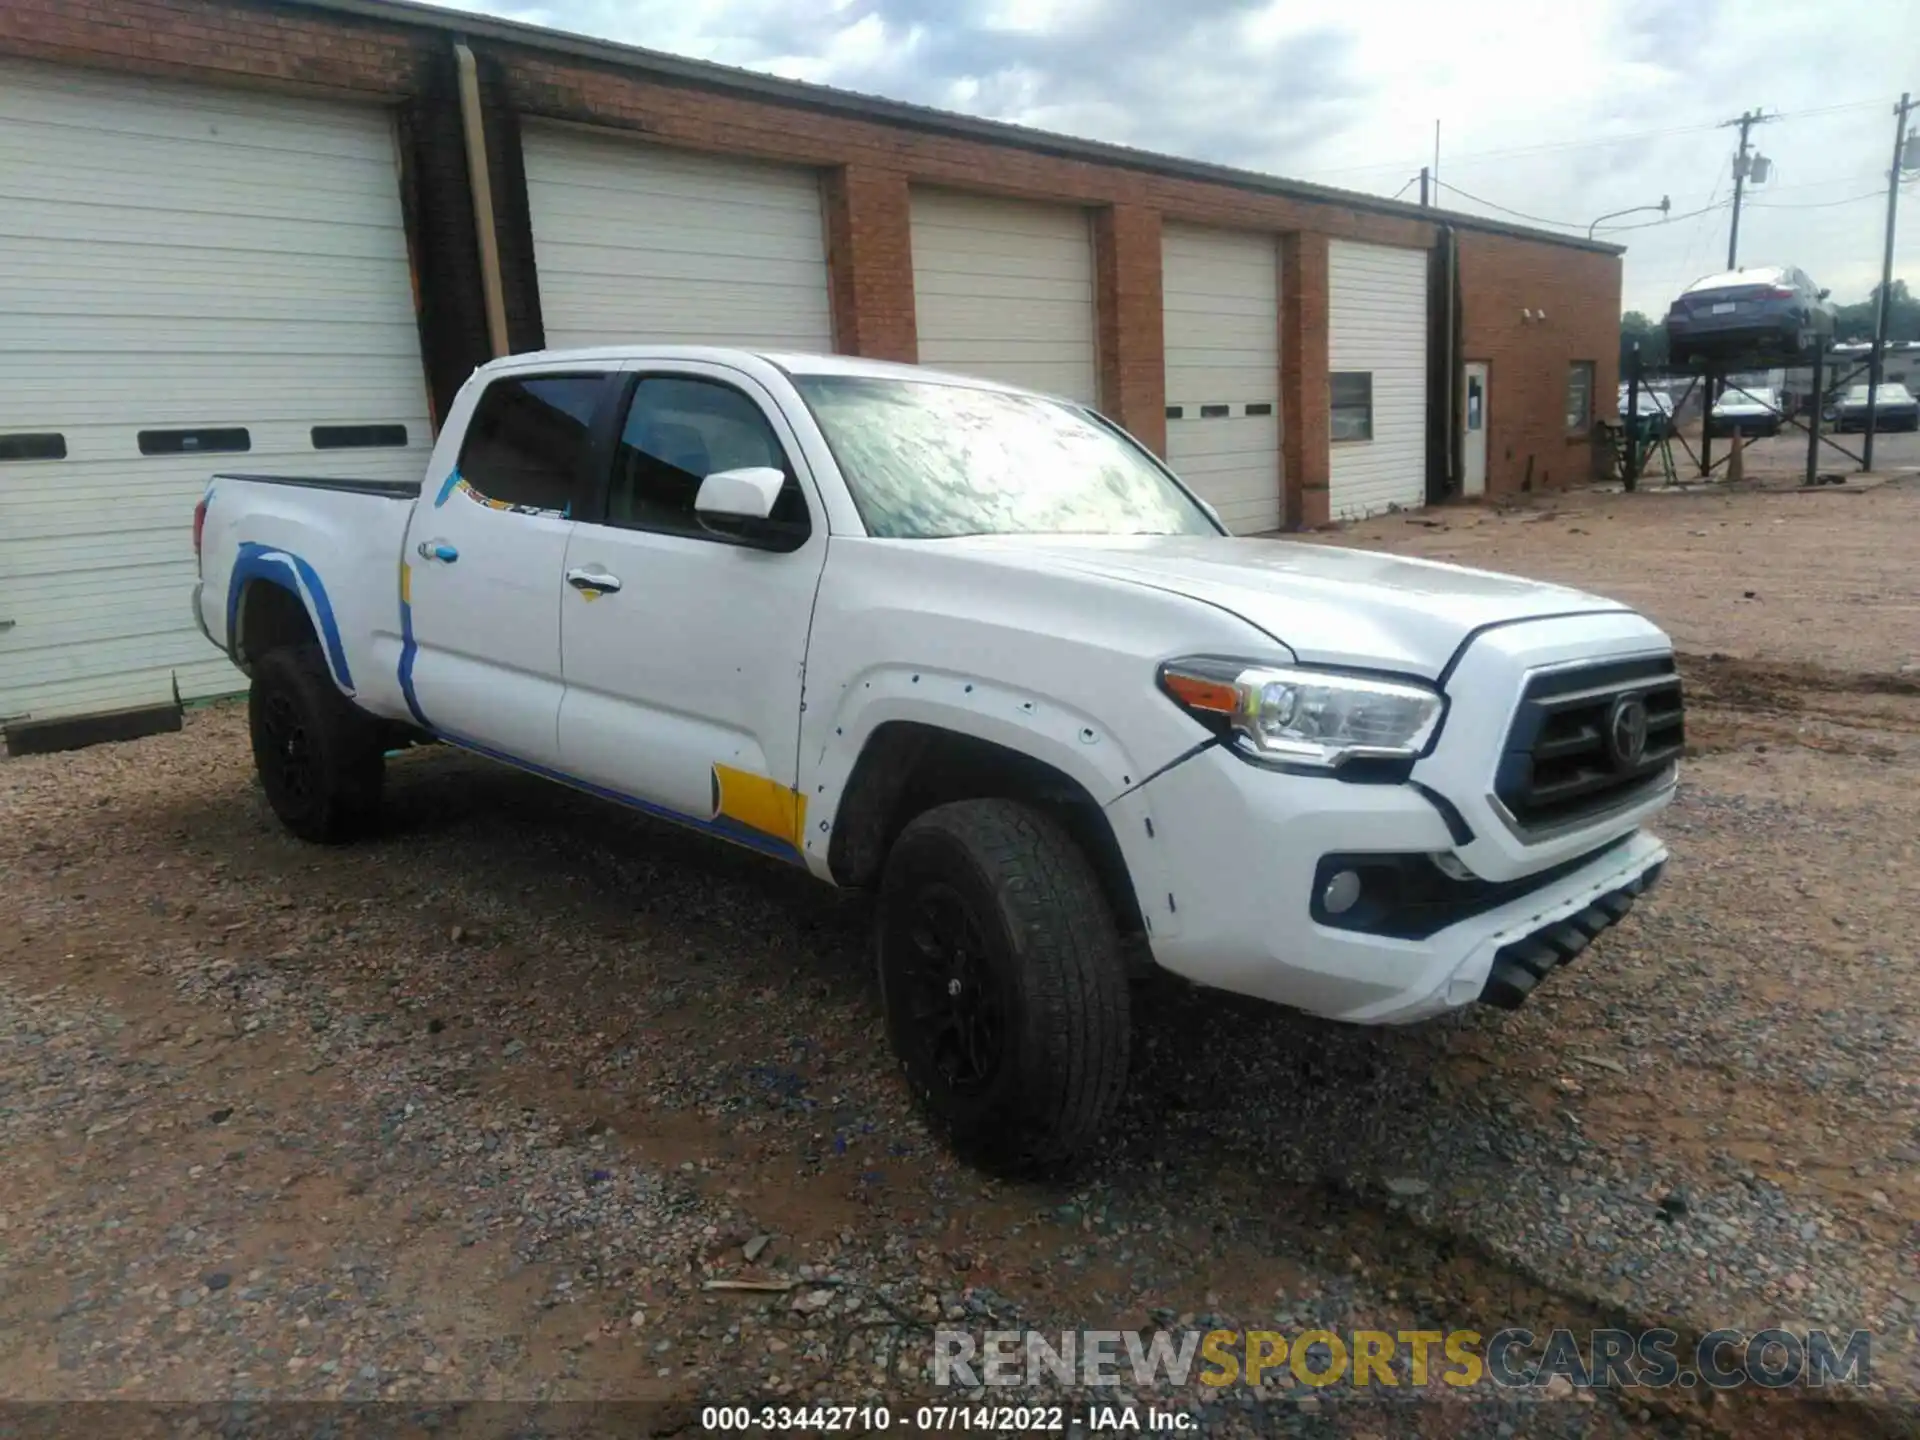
<point>1077,745</point>
<point>258,564</point>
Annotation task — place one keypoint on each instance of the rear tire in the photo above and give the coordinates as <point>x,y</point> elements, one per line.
<point>1005,994</point>
<point>319,756</point>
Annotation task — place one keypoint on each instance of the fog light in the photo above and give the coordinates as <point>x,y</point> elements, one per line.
<point>1342,892</point>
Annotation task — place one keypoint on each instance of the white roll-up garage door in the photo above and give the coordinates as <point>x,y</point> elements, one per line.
<point>1004,289</point>
<point>641,244</point>
<point>1222,307</point>
<point>191,280</point>
<point>1377,326</point>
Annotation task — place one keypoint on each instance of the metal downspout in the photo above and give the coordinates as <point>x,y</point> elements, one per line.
<point>480,182</point>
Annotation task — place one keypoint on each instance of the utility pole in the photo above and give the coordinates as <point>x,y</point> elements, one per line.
<point>1884,310</point>
<point>1741,166</point>
<point>1424,173</point>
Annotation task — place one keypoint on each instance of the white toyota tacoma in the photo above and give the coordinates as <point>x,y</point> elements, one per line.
<point>979,651</point>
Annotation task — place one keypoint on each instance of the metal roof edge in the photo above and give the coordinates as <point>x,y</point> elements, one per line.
<point>711,75</point>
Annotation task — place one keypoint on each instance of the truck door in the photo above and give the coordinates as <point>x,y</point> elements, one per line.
<point>684,652</point>
<point>481,573</point>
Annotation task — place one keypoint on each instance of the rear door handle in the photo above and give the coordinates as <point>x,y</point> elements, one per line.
<point>438,550</point>
<point>593,582</point>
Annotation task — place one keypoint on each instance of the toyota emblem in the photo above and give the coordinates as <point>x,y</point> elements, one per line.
<point>1627,732</point>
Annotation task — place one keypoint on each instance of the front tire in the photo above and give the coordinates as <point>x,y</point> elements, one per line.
<point>1005,995</point>
<point>319,756</point>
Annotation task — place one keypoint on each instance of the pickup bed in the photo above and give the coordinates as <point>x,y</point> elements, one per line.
<point>976,650</point>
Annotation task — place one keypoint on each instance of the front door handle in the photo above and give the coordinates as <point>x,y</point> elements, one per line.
<point>438,550</point>
<point>593,582</point>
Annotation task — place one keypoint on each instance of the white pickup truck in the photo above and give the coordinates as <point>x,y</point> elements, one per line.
<point>980,651</point>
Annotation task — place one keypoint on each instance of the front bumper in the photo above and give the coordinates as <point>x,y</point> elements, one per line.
<point>1240,851</point>
<point>1225,854</point>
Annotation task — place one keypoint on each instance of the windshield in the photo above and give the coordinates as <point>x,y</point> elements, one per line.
<point>927,461</point>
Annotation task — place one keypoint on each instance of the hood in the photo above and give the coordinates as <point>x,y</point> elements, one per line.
<point>1328,605</point>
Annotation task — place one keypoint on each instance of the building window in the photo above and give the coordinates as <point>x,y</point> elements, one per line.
<point>1352,392</point>
<point>193,442</point>
<point>48,445</point>
<point>1579,397</point>
<point>357,437</point>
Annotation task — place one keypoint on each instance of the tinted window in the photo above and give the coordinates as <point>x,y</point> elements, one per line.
<point>1352,393</point>
<point>927,460</point>
<point>527,439</point>
<point>194,442</point>
<point>357,437</point>
<point>678,432</point>
<point>47,445</point>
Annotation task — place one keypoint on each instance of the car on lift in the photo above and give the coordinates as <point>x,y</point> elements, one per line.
<point>1763,311</point>
<point>1895,410</point>
<point>1746,412</point>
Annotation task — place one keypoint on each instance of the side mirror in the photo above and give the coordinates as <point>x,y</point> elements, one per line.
<point>1823,294</point>
<point>738,504</point>
<point>746,494</point>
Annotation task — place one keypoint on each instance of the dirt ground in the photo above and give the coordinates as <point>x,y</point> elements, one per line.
<point>1894,451</point>
<point>482,1108</point>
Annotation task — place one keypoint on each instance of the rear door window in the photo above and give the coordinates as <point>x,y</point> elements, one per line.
<point>526,446</point>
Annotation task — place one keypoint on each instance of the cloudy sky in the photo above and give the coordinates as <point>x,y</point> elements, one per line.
<point>1560,112</point>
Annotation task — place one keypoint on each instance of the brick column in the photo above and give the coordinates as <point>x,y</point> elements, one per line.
<point>1306,418</point>
<point>1127,301</point>
<point>870,263</point>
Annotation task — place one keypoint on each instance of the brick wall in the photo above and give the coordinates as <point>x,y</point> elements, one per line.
<point>866,166</point>
<point>227,40</point>
<point>1131,321</point>
<point>870,263</point>
<point>1528,444</point>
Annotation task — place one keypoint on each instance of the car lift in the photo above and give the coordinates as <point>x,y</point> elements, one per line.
<point>1714,376</point>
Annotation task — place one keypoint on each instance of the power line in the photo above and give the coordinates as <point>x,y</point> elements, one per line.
<point>1411,180</point>
<point>1517,214</point>
<point>1816,204</point>
<point>1626,139</point>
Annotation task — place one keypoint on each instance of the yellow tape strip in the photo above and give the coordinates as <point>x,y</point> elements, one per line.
<point>761,804</point>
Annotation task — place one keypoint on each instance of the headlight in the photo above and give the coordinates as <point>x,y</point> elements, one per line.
<point>1296,716</point>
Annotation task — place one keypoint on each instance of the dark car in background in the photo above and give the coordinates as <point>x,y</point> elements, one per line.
<point>1896,409</point>
<point>1768,311</point>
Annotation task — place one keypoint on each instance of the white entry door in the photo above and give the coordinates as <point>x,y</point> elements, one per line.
<point>1473,429</point>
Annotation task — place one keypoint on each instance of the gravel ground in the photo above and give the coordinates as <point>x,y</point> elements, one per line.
<point>476,1110</point>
